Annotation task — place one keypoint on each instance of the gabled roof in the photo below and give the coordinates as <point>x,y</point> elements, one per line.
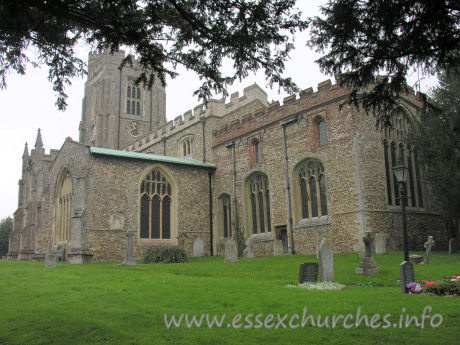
<point>150,157</point>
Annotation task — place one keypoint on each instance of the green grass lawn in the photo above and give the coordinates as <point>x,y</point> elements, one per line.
<point>110,304</point>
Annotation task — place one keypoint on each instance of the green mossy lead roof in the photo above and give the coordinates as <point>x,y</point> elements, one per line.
<point>150,157</point>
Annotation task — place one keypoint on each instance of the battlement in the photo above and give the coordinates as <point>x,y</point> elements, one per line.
<point>307,99</point>
<point>276,111</point>
<point>214,108</point>
<point>97,61</point>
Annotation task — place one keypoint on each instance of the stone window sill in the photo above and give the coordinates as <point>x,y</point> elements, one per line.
<point>156,241</point>
<point>408,208</point>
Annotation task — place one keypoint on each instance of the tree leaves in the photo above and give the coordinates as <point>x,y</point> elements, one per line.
<point>437,138</point>
<point>363,39</point>
<point>199,35</point>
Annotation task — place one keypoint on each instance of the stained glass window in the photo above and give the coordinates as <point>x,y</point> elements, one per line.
<point>312,182</point>
<point>156,201</point>
<point>226,215</point>
<point>396,136</point>
<point>259,196</point>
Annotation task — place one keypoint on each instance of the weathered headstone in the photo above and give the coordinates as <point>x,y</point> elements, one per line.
<point>415,259</point>
<point>248,251</point>
<point>60,254</point>
<point>406,273</point>
<point>380,243</point>
<point>326,261</point>
<point>308,272</point>
<point>428,245</point>
<point>231,251</point>
<point>452,245</point>
<point>129,260</point>
<point>198,247</point>
<point>278,248</point>
<point>367,265</point>
<point>50,260</point>
<point>3,257</point>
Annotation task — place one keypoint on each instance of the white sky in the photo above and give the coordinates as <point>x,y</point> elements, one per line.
<point>28,104</point>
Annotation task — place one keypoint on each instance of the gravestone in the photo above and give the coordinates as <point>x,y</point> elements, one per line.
<point>3,257</point>
<point>308,272</point>
<point>198,247</point>
<point>452,245</point>
<point>60,254</point>
<point>416,259</point>
<point>380,243</point>
<point>129,260</point>
<point>367,265</point>
<point>50,260</point>
<point>231,251</point>
<point>248,251</point>
<point>428,245</point>
<point>406,273</point>
<point>278,248</point>
<point>326,262</point>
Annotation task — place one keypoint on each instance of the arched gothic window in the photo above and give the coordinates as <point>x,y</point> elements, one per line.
<point>156,201</point>
<point>312,184</point>
<point>259,201</point>
<point>133,99</point>
<point>63,208</point>
<point>186,148</point>
<point>226,216</point>
<point>394,147</point>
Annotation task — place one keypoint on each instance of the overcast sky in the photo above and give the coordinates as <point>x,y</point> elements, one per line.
<point>28,103</point>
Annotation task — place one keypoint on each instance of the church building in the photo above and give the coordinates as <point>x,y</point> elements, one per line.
<point>282,176</point>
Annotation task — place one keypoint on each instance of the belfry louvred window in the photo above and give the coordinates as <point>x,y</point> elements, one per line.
<point>133,99</point>
<point>155,206</point>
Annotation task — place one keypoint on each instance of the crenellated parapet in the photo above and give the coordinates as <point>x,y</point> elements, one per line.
<point>214,108</point>
<point>306,100</point>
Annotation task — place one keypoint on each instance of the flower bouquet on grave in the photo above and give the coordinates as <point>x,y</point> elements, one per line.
<point>413,288</point>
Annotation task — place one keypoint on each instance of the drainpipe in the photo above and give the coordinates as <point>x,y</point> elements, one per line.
<point>119,109</point>
<point>232,145</point>
<point>283,124</point>
<point>204,140</point>
<point>210,212</point>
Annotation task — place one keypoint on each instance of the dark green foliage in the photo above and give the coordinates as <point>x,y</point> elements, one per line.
<point>199,35</point>
<point>6,226</point>
<point>437,139</point>
<point>365,38</point>
<point>172,254</point>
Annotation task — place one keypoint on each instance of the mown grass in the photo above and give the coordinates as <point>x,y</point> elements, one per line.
<point>110,304</point>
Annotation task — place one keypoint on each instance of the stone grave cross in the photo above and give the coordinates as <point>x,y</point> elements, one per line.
<point>367,266</point>
<point>129,260</point>
<point>428,244</point>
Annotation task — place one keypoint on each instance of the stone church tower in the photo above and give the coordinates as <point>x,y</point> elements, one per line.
<point>115,111</point>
